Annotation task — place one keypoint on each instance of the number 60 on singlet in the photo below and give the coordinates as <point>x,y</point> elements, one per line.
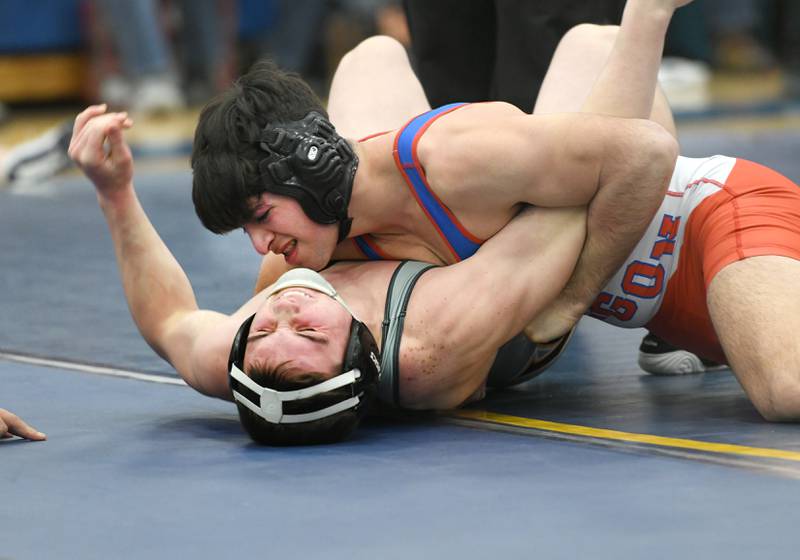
<point>642,279</point>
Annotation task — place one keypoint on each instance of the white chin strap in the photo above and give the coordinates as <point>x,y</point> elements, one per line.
<point>270,405</point>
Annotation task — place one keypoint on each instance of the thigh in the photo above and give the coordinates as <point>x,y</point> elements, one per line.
<point>374,89</point>
<point>576,64</point>
<point>755,309</point>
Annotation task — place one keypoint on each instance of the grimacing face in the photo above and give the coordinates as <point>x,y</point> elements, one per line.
<point>280,226</point>
<point>298,332</point>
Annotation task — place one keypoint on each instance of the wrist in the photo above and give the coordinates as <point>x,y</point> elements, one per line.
<point>115,199</point>
<point>649,16</point>
<point>660,11</point>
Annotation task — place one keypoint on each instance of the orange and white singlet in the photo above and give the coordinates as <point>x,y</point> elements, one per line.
<point>717,210</point>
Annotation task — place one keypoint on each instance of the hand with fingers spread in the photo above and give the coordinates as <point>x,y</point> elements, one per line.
<point>99,148</point>
<point>13,425</point>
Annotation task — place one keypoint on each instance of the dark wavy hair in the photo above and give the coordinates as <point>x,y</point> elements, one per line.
<point>226,151</point>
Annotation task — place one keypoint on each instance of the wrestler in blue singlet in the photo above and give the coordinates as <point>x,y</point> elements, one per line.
<point>458,240</point>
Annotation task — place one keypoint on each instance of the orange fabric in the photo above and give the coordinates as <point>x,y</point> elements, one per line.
<point>373,135</point>
<point>756,213</point>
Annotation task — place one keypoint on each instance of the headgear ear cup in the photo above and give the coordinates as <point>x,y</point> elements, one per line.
<point>240,344</point>
<point>308,161</point>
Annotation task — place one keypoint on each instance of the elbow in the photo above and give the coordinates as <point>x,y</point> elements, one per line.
<point>659,149</point>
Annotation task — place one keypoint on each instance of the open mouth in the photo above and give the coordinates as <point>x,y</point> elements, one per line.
<point>289,251</point>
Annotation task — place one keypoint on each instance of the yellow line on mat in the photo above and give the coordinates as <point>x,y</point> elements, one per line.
<point>602,433</point>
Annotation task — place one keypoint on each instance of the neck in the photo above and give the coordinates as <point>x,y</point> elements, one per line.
<point>376,204</point>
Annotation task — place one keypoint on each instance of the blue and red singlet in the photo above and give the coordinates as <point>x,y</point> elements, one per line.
<point>458,240</point>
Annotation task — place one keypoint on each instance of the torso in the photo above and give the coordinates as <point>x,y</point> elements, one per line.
<point>421,374</point>
<point>480,214</point>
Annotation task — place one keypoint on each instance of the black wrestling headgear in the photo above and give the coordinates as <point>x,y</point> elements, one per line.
<point>360,371</point>
<point>308,161</point>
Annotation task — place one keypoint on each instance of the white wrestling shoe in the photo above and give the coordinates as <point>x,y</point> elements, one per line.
<point>658,357</point>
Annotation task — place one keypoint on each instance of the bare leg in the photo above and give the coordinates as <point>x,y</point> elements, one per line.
<point>374,89</point>
<point>756,313</point>
<point>576,64</point>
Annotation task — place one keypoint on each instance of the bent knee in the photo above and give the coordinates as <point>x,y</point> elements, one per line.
<point>780,402</point>
<point>590,35</point>
<point>380,48</point>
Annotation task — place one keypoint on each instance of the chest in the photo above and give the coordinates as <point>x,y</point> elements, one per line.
<point>434,219</point>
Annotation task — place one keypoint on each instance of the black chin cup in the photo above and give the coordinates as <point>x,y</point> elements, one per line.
<point>308,161</point>
<point>362,353</point>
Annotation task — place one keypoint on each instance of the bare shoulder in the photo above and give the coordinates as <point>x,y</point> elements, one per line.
<point>455,144</point>
<point>466,119</point>
<point>459,155</point>
<point>436,370</point>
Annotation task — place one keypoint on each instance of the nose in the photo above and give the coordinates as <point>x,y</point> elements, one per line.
<point>288,304</point>
<point>260,238</point>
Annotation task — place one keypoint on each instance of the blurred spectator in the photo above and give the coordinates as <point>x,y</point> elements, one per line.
<point>735,27</point>
<point>163,55</point>
<point>787,16</point>
<point>352,21</point>
<point>310,36</point>
<point>493,49</point>
<point>293,37</point>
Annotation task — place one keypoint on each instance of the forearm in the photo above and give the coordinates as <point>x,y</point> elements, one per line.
<point>626,86</point>
<point>156,287</point>
<point>632,184</point>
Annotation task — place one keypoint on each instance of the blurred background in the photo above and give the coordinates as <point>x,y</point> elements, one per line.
<point>162,59</point>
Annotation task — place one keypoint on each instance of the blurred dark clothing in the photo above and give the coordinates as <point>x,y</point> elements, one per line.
<point>498,50</point>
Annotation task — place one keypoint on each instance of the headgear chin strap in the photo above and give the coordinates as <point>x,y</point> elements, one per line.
<point>361,366</point>
<point>270,402</point>
<point>308,161</point>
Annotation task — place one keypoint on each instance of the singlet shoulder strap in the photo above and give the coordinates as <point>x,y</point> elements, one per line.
<point>366,244</point>
<point>458,240</point>
<point>397,297</point>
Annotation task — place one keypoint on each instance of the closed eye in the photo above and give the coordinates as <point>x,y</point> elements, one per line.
<point>261,218</point>
<point>314,335</point>
<point>255,335</point>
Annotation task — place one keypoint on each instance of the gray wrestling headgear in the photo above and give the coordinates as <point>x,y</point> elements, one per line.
<point>308,161</point>
<point>360,371</point>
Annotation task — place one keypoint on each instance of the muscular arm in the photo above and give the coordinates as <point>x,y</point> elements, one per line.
<point>159,295</point>
<point>621,165</point>
<point>625,88</point>
<point>459,315</point>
